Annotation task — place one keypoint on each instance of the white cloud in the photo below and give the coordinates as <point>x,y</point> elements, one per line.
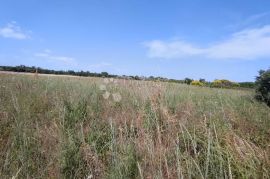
<point>12,30</point>
<point>174,49</point>
<point>48,55</point>
<point>247,44</point>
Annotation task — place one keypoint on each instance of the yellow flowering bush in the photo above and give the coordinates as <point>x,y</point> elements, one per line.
<point>197,83</point>
<point>224,84</point>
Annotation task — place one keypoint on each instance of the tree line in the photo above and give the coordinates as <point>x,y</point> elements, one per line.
<point>201,82</point>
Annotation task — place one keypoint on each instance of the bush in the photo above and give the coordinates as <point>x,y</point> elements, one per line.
<point>202,80</point>
<point>188,81</point>
<point>263,86</point>
<point>224,84</point>
<point>197,83</point>
<point>247,84</point>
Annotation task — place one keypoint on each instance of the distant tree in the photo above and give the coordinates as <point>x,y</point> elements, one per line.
<point>263,86</point>
<point>247,84</point>
<point>188,81</point>
<point>202,80</point>
<point>71,72</point>
<point>104,74</point>
<point>137,77</point>
<point>21,68</point>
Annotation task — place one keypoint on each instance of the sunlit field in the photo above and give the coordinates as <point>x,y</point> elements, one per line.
<point>82,127</point>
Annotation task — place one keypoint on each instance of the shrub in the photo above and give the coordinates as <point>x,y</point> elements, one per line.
<point>188,81</point>
<point>202,80</point>
<point>247,84</point>
<point>197,83</point>
<point>263,86</point>
<point>224,84</point>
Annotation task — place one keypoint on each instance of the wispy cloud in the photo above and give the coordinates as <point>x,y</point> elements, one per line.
<point>12,30</point>
<point>172,49</point>
<point>255,19</point>
<point>48,55</point>
<point>246,45</point>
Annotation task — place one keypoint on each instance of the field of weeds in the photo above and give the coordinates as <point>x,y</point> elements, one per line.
<point>63,127</point>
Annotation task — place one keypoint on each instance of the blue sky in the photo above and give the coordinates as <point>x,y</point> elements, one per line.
<point>175,38</point>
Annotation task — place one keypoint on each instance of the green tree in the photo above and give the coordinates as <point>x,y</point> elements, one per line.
<point>188,81</point>
<point>263,86</point>
<point>247,84</point>
<point>202,80</point>
<point>104,74</point>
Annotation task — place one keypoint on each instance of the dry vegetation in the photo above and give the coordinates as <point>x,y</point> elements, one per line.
<point>62,127</point>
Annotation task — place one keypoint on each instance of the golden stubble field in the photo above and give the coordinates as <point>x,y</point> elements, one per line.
<point>79,127</point>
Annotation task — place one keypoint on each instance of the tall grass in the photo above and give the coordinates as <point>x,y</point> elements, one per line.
<point>64,127</point>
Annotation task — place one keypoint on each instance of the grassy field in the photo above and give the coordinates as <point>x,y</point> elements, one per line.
<point>72,127</point>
